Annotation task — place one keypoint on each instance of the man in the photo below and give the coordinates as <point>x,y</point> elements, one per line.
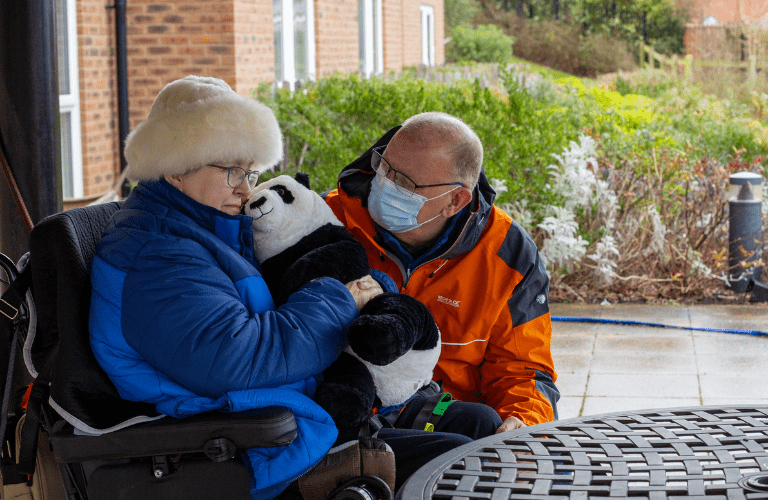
<point>421,204</point>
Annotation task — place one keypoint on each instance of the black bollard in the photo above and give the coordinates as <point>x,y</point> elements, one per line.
<point>744,229</point>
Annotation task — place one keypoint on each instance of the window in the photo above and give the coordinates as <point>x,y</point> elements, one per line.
<point>294,29</point>
<point>69,100</point>
<point>427,35</point>
<point>369,23</point>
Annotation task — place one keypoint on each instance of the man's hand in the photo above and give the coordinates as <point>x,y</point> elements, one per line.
<point>509,424</point>
<point>363,290</point>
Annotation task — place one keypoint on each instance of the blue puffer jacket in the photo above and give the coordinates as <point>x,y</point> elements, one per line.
<point>181,318</point>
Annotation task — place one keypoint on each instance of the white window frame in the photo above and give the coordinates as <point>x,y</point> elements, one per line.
<point>372,29</point>
<point>427,35</point>
<point>70,104</point>
<point>288,48</point>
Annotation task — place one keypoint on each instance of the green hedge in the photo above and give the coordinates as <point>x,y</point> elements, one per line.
<point>338,118</point>
<point>334,120</point>
<point>486,43</point>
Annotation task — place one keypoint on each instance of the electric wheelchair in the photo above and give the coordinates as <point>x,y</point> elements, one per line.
<point>44,340</point>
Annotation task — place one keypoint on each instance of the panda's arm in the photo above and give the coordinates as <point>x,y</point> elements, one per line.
<point>190,321</point>
<point>344,261</point>
<point>329,251</point>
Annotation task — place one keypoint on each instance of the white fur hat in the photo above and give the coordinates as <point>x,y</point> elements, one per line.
<point>199,120</point>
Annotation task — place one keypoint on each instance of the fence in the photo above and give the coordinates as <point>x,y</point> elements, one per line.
<point>488,75</point>
<point>687,65</point>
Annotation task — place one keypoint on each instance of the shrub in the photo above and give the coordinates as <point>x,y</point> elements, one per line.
<point>600,54</point>
<point>458,12</point>
<point>336,119</point>
<point>639,235</point>
<point>559,45</point>
<point>659,23</point>
<point>486,43</point>
<point>697,123</point>
<point>624,193</point>
<point>549,43</point>
<point>666,27</point>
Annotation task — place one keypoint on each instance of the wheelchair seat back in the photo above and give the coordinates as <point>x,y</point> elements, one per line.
<point>62,247</point>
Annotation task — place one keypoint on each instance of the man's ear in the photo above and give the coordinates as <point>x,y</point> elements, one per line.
<point>459,199</point>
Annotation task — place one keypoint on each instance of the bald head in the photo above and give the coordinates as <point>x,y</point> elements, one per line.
<point>435,129</point>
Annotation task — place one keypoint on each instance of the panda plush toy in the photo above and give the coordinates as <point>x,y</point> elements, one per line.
<point>393,345</point>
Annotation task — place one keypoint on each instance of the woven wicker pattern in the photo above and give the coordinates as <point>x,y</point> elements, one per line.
<point>692,452</point>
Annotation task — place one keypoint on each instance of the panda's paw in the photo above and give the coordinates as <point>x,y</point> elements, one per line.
<point>347,405</point>
<point>347,392</point>
<point>390,325</point>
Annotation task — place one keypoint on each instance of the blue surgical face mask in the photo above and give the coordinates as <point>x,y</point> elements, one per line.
<point>394,210</point>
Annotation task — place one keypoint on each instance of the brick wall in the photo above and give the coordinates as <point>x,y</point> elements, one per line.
<point>229,39</point>
<point>254,44</point>
<point>720,43</point>
<point>98,95</point>
<point>402,32</point>
<point>392,21</point>
<point>726,11</point>
<point>411,41</point>
<point>337,39</point>
<point>172,39</point>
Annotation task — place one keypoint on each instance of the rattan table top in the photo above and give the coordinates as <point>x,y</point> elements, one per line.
<point>693,452</point>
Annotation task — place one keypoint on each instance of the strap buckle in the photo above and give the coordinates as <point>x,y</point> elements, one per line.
<point>7,310</point>
<point>437,410</point>
<point>445,400</point>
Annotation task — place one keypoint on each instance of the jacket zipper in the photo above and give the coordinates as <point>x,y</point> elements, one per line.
<point>407,273</point>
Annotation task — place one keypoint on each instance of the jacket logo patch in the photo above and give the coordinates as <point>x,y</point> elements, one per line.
<point>450,302</point>
<point>541,299</point>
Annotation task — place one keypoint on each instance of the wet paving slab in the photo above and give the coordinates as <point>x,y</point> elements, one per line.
<point>608,367</point>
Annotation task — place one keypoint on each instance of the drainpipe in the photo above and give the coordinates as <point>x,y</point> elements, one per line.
<point>122,85</point>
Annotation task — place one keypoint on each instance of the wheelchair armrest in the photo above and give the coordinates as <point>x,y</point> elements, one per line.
<point>169,436</point>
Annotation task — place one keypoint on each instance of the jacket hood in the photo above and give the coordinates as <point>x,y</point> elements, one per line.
<point>355,182</point>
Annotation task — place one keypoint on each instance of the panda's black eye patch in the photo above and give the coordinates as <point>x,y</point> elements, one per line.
<point>284,193</point>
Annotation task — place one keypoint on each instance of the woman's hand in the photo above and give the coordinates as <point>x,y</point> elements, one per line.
<point>363,290</point>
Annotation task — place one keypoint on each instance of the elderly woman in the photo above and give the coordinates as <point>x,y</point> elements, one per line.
<point>180,315</point>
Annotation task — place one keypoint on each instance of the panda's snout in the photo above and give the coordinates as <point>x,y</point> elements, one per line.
<point>257,202</point>
<point>260,207</point>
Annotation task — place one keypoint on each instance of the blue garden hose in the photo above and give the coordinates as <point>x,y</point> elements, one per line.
<point>575,319</point>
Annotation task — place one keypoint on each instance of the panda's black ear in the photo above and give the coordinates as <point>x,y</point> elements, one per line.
<point>302,179</point>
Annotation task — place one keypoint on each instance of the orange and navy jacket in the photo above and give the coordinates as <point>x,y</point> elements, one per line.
<point>487,293</point>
